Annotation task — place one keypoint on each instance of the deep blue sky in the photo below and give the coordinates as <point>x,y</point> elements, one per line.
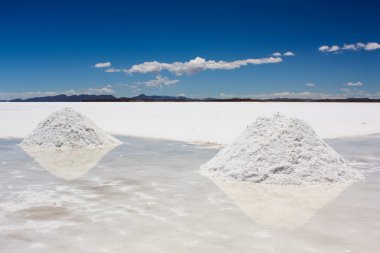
<point>53,46</point>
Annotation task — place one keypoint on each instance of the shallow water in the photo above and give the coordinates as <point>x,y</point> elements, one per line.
<point>146,196</point>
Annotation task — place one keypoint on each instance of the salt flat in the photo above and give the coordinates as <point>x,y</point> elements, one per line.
<point>147,196</point>
<point>193,121</point>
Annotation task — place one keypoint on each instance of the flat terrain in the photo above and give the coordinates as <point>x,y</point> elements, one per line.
<point>196,122</point>
<point>147,196</point>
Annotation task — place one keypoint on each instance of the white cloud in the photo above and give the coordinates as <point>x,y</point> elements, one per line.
<point>26,94</point>
<point>333,48</point>
<point>285,94</point>
<point>372,46</point>
<point>135,88</point>
<point>354,84</point>
<point>323,48</point>
<point>289,53</point>
<point>310,84</point>
<point>97,91</point>
<point>159,81</point>
<point>112,70</point>
<point>196,65</point>
<point>102,65</point>
<point>350,47</point>
<point>347,93</point>
<point>106,90</point>
<point>278,54</point>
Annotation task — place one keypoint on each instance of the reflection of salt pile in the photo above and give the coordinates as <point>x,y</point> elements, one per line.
<point>69,164</point>
<point>68,144</point>
<point>280,206</point>
<point>68,129</point>
<point>280,150</point>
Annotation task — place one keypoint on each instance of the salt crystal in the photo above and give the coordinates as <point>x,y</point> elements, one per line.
<point>280,150</point>
<point>68,129</point>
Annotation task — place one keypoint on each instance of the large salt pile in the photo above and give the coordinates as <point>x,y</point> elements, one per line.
<point>68,129</point>
<point>280,150</point>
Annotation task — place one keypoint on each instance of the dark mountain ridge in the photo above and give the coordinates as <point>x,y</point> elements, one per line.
<point>155,98</point>
<point>65,98</point>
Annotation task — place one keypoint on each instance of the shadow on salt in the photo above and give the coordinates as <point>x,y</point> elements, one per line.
<point>280,206</point>
<point>69,164</point>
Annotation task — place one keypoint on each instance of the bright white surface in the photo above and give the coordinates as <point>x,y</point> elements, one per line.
<point>196,122</point>
<point>283,151</point>
<point>66,129</point>
<point>147,197</point>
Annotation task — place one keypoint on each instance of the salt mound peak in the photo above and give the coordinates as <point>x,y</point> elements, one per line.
<point>280,150</point>
<point>68,129</point>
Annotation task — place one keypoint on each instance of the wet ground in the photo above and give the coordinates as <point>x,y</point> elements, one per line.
<point>146,196</point>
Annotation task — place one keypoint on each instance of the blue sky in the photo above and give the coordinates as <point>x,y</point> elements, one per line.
<point>50,47</point>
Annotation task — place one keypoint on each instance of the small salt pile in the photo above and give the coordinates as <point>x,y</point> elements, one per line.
<point>280,150</point>
<point>68,129</point>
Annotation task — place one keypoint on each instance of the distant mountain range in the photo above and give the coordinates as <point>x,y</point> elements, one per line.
<point>97,98</point>
<point>145,98</point>
<point>65,98</point>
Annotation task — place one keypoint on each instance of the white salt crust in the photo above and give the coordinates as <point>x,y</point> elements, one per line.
<point>68,129</point>
<point>280,150</point>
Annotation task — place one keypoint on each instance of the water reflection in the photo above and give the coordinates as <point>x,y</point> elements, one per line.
<point>280,206</point>
<point>157,203</point>
<point>68,164</point>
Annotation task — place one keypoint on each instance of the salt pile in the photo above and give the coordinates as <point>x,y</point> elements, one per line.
<point>68,129</point>
<point>280,150</point>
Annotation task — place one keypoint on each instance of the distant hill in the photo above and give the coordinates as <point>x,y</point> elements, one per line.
<point>143,97</point>
<point>154,98</point>
<point>65,98</point>
<point>99,98</point>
